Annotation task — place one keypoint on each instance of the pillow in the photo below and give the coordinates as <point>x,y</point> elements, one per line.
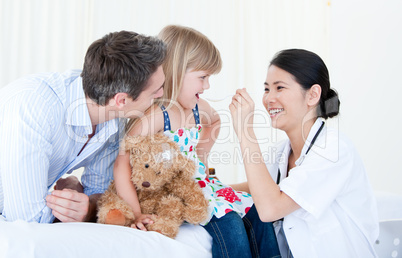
<point>23,239</point>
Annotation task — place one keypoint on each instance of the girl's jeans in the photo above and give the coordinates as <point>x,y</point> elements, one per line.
<point>233,236</point>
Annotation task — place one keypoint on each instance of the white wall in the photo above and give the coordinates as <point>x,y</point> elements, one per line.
<point>365,68</point>
<point>358,40</point>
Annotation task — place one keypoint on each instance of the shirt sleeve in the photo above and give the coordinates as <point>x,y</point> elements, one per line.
<point>25,129</point>
<point>320,179</point>
<point>98,174</point>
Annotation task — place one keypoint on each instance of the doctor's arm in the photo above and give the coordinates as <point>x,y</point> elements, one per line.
<point>271,203</point>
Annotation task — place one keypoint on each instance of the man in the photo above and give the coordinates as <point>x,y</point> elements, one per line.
<point>52,124</point>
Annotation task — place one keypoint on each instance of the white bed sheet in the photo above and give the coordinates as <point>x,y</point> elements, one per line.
<point>65,240</point>
<point>23,239</point>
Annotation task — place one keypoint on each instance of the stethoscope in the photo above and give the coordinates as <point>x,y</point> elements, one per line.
<point>278,178</point>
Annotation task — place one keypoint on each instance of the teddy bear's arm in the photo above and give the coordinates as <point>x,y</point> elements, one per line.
<point>196,204</point>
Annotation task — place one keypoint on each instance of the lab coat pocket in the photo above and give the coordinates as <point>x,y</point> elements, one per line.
<point>328,235</point>
<point>327,222</point>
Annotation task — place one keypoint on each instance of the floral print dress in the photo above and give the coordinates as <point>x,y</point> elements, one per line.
<point>222,198</point>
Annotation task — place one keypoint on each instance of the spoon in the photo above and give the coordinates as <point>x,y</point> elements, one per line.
<point>222,98</point>
<point>218,99</point>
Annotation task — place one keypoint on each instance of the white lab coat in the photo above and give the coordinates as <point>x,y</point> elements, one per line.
<point>338,215</point>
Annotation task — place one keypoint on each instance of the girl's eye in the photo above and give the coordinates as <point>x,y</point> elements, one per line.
<point>280,87</point>
<point>203,77</point>
<point>266,90</point>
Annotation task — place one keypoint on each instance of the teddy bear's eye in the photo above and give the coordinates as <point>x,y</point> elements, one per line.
<point>146,166</point>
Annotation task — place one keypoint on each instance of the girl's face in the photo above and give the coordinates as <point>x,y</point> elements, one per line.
<point>194,84</point>
<point>284,99</point>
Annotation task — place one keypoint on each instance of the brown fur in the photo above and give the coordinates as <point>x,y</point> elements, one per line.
<point>173,194</point>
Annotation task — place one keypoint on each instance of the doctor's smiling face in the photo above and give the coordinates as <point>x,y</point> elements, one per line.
<point>284,99</point>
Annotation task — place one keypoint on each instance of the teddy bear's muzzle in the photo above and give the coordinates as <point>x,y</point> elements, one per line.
<point>146,184</point>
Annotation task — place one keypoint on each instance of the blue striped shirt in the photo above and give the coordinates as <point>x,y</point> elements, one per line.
<point>44,123</point>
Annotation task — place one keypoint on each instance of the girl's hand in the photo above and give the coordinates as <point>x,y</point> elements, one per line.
<point>143,219</point>
<point>242,111</point>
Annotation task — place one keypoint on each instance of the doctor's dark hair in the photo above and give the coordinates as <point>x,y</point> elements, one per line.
<point>120,62</point>
<point>308,69</point>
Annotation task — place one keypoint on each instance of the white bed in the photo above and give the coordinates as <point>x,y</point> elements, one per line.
<point>23,239</point>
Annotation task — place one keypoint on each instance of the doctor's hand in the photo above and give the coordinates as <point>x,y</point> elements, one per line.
<point>68,205</point>
<point>242,111</point>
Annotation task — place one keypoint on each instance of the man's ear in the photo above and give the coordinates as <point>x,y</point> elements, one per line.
<point>314,94</point>
<point>119,100</point>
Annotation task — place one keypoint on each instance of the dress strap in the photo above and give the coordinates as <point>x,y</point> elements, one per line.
<point>196,115</point>
<point>166,119</point>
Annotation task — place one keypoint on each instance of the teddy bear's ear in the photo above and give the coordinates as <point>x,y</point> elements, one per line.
<point>130,142</point>
<point>160,138</point>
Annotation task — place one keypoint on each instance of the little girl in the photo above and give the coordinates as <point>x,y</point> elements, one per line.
<point>194,125</point>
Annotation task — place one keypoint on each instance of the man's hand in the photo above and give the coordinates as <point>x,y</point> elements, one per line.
<point>68,201</point>
<point>142,219</point>
<point>68,205</point>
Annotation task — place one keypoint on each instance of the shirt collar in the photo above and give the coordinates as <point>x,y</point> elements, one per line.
<point>77,113</point>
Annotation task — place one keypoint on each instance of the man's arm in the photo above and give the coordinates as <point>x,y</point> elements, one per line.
<point>25,133</point>
<point>99,173</point>
<point>73,202</point>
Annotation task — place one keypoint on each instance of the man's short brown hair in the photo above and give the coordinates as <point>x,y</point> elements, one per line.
<point>120,62</point>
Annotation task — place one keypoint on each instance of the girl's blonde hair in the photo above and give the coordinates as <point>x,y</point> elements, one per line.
<point>186,48</point>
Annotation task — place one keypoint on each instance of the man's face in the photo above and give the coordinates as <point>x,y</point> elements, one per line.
<point>153,90</point>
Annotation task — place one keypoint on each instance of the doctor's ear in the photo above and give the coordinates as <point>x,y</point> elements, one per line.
<point>314,95</point>
<point>119,100</point>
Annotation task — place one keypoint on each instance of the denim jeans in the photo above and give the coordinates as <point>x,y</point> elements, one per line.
<point>233,236</point>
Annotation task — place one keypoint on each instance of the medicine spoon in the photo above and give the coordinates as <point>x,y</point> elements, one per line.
<point>223,98</point>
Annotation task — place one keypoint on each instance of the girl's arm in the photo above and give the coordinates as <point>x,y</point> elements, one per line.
<point>243,187</point>
<point>126,190</point>
<point>122,170</point>
<point>271,203</point>
<point>211,122</point>
<point>122,177</point>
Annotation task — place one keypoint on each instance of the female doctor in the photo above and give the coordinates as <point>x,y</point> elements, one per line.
<point>317,189</point>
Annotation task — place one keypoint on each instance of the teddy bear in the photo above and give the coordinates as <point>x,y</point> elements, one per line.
<point>163,178</point>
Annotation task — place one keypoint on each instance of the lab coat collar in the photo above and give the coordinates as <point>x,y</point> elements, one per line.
<point>283,159</point>
<point>314,129</point>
